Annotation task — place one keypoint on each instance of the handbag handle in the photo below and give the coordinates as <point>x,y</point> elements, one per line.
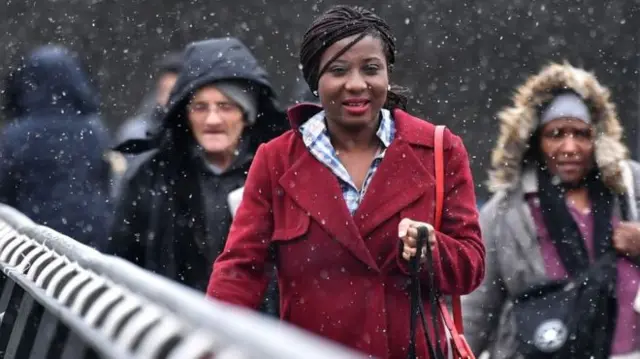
<point>417,308</point>
<point>460,347</point>
<point>455,326</point>
<point>439,169</point>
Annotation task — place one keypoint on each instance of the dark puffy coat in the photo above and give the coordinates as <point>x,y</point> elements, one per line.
<point>53,165</point>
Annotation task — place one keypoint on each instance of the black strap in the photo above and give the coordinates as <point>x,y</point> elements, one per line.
<point>417,307</point>
<point>562,227</point>
<point>624,207</point>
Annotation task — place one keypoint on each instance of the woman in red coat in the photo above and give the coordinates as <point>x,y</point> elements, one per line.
<point>336,200</point>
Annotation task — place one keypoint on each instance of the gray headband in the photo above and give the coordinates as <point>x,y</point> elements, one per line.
<point>566,105</point>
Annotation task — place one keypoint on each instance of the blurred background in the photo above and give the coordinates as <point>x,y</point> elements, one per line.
<point>460,59</point>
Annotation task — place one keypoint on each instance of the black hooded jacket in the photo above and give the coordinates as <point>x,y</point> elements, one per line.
<point>52,153</point>
<point>173,217</point>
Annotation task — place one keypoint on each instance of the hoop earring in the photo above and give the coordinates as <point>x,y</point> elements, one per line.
<point>389,88</point>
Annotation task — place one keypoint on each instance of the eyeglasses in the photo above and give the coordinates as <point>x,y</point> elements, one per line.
<point>220,108</point>
<point>581,136</point>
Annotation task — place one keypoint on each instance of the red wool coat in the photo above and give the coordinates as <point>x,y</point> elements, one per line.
<point>343,277</point>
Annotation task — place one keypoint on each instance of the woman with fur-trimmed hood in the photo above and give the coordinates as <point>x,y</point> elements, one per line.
<point>566,198</point>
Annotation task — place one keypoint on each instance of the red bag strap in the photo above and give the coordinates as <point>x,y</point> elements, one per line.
<point>439,159</point>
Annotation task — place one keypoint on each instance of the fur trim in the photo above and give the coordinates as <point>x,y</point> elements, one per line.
<point>518,123</point>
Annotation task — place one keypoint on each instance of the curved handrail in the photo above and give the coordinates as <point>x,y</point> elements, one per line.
<point>124,311</point>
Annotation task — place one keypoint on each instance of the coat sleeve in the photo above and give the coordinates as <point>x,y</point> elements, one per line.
<point>482,307</point>
<point>128,227</point>
<point>459,254</point>
<point>240,273</point>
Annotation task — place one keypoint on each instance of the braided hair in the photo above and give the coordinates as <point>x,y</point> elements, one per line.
<point>340,22</point>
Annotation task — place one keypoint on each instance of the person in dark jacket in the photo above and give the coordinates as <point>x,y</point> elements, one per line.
<point>148,118</point>
<point>174,213</point>
<point>149,115</point>
<point>52,153</point>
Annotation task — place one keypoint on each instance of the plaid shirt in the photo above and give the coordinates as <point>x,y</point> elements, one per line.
<point>316,138</point>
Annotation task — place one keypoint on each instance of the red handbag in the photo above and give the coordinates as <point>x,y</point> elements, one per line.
<point>458,346</point>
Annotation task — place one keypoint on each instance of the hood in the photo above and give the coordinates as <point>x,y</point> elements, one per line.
<point>302,93</point>
<point>206,62</point>
<point>210,61</point>
<point>519,121</point>
<point>50,81</point>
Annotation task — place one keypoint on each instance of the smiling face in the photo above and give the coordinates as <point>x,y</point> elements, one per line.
<point>353,88</point>
<point>216,121</point>
<point>567,145</point>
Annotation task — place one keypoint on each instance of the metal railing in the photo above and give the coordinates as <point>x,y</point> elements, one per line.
<point>61,299</point>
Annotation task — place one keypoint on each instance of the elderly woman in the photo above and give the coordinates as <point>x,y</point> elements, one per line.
<point>565,210</point>
<point>175,212</point>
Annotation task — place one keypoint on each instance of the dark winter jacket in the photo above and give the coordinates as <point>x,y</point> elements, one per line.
<point>174,215</point>
<point>52,153</point>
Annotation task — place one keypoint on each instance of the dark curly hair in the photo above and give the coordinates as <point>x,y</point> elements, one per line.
<point>340,22</point>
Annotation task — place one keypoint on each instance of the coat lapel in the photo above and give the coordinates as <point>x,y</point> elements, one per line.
<point>400,180</point>
<point>316,190</point>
